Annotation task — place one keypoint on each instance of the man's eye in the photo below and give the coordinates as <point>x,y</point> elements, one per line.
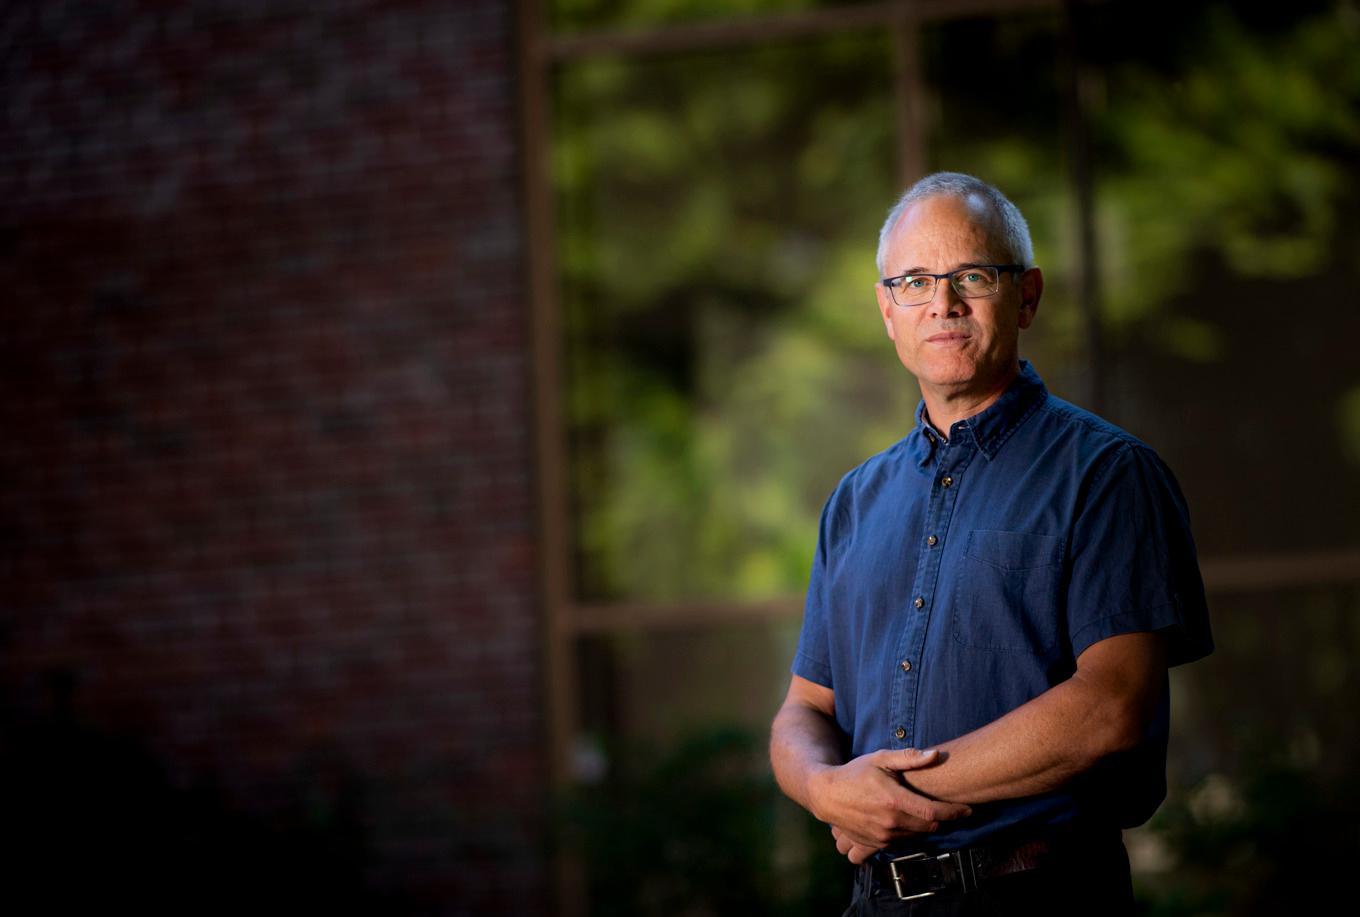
<point>915,283</point>
<point>970,277</point>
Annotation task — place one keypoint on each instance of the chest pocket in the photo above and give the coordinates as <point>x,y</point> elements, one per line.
<point>1007,595</point>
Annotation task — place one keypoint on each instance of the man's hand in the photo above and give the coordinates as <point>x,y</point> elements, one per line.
<point>868,806</point>
<point>856,853</point>
<point>865,800</point>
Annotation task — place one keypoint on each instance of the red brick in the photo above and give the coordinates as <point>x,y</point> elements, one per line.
<point>265,318</point>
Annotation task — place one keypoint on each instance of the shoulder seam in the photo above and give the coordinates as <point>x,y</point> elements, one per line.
<point>1097,425</point>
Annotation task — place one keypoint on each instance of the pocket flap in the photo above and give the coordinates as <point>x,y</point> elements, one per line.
<point>1014,550</point>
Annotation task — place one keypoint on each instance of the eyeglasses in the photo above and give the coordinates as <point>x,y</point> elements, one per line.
<point>969,282</point>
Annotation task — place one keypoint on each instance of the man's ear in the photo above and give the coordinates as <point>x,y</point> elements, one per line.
<point>1031,289</point>
<point>885,309</point>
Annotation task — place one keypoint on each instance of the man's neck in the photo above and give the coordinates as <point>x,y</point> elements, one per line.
<point>944,408</point>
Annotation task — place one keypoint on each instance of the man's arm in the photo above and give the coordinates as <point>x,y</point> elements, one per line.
<point>864,797</point>
<point>1105,707</point>
<point>1102,709</point>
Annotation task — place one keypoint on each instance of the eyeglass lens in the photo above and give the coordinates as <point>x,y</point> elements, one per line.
<point>914,290</point>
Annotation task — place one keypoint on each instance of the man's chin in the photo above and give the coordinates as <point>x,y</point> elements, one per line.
<point>963,373</point>
<point>946,375</point>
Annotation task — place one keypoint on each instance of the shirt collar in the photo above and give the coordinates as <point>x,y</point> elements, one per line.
<point>992,427</point>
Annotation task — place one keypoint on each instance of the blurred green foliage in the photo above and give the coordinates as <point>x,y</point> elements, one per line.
<point>719,211</point>
<point>1245,152</point>
<point>1272,837</point>
<point>722,340</point>
<point>700,830</point>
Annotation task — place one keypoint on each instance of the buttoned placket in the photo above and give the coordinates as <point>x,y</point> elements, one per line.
<point>951,459</point>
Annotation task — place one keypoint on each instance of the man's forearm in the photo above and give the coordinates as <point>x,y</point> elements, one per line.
<point>1033,749</point>
<point>1044,743</point>
<point>865,797</point>
<point>802,740</point>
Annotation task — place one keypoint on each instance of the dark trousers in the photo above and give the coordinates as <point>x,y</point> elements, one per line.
<point>1092,881</point>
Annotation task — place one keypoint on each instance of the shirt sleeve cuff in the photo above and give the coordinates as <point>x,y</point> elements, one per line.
<point>806,667</point>
<point>1182,647</point>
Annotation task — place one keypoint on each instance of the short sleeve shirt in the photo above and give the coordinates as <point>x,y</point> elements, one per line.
<point>954,581</point>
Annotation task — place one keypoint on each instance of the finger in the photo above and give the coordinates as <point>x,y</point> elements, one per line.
<point>938,810</point>
<point>851,837</point>
<point>948,811</point>
<point>929,810</point>
<point>859,853</point>
<point>918,815</point>
<point>907,759</point>
<point>910,824</point>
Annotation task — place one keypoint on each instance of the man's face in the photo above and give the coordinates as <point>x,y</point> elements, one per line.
<point>956,346</point>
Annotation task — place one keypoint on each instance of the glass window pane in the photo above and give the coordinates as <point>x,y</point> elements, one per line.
<point>1228,197</point>
<point>717,676</point>
<point>995,109</point>
<point>1258,765</point>
<point>676,811</point>
<point>575,15</point>
<point>718,215</point>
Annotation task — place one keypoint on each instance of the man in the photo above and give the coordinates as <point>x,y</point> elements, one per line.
<point>1005,589</point>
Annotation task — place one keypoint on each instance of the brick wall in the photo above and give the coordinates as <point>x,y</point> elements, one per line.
<point>269,613</point>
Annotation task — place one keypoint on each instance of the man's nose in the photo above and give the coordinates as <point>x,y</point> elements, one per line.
<point>946,301</point>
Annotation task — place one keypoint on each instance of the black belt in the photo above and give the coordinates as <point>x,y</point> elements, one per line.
<point>920,875</point>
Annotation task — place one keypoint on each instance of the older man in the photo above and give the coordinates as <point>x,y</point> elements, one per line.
<point>1003,588</point>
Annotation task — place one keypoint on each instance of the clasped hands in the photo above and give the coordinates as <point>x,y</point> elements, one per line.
<point>868,803</point>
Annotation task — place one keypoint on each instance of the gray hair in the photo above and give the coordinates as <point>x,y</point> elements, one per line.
<point>1014,229</point>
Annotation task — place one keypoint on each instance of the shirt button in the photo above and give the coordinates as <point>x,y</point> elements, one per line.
<point>900,733</point>
<point>930,436</point>
<point>906,665</point>
<point>946,481</point>
<point>932,541</point>
<point>919,602</point>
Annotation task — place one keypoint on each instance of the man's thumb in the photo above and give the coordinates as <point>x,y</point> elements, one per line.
<point>909,759</point>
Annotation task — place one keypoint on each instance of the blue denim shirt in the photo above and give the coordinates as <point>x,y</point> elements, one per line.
<point>955,581</point>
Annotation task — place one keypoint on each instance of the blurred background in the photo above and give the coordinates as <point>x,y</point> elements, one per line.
<point>416,417</point>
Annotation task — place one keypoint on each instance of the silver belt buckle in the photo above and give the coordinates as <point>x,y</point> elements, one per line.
<point>953,862</point>
<point>898,878</point>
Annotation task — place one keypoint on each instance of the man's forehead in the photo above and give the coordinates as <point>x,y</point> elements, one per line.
<point>969,228</point>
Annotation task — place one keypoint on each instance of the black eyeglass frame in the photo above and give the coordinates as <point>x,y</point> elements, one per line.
<point>890,283</point>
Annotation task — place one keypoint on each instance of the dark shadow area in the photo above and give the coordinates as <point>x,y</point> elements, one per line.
<point>91,821</point>
<point>1271,841</point>
<point>701,828</point>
